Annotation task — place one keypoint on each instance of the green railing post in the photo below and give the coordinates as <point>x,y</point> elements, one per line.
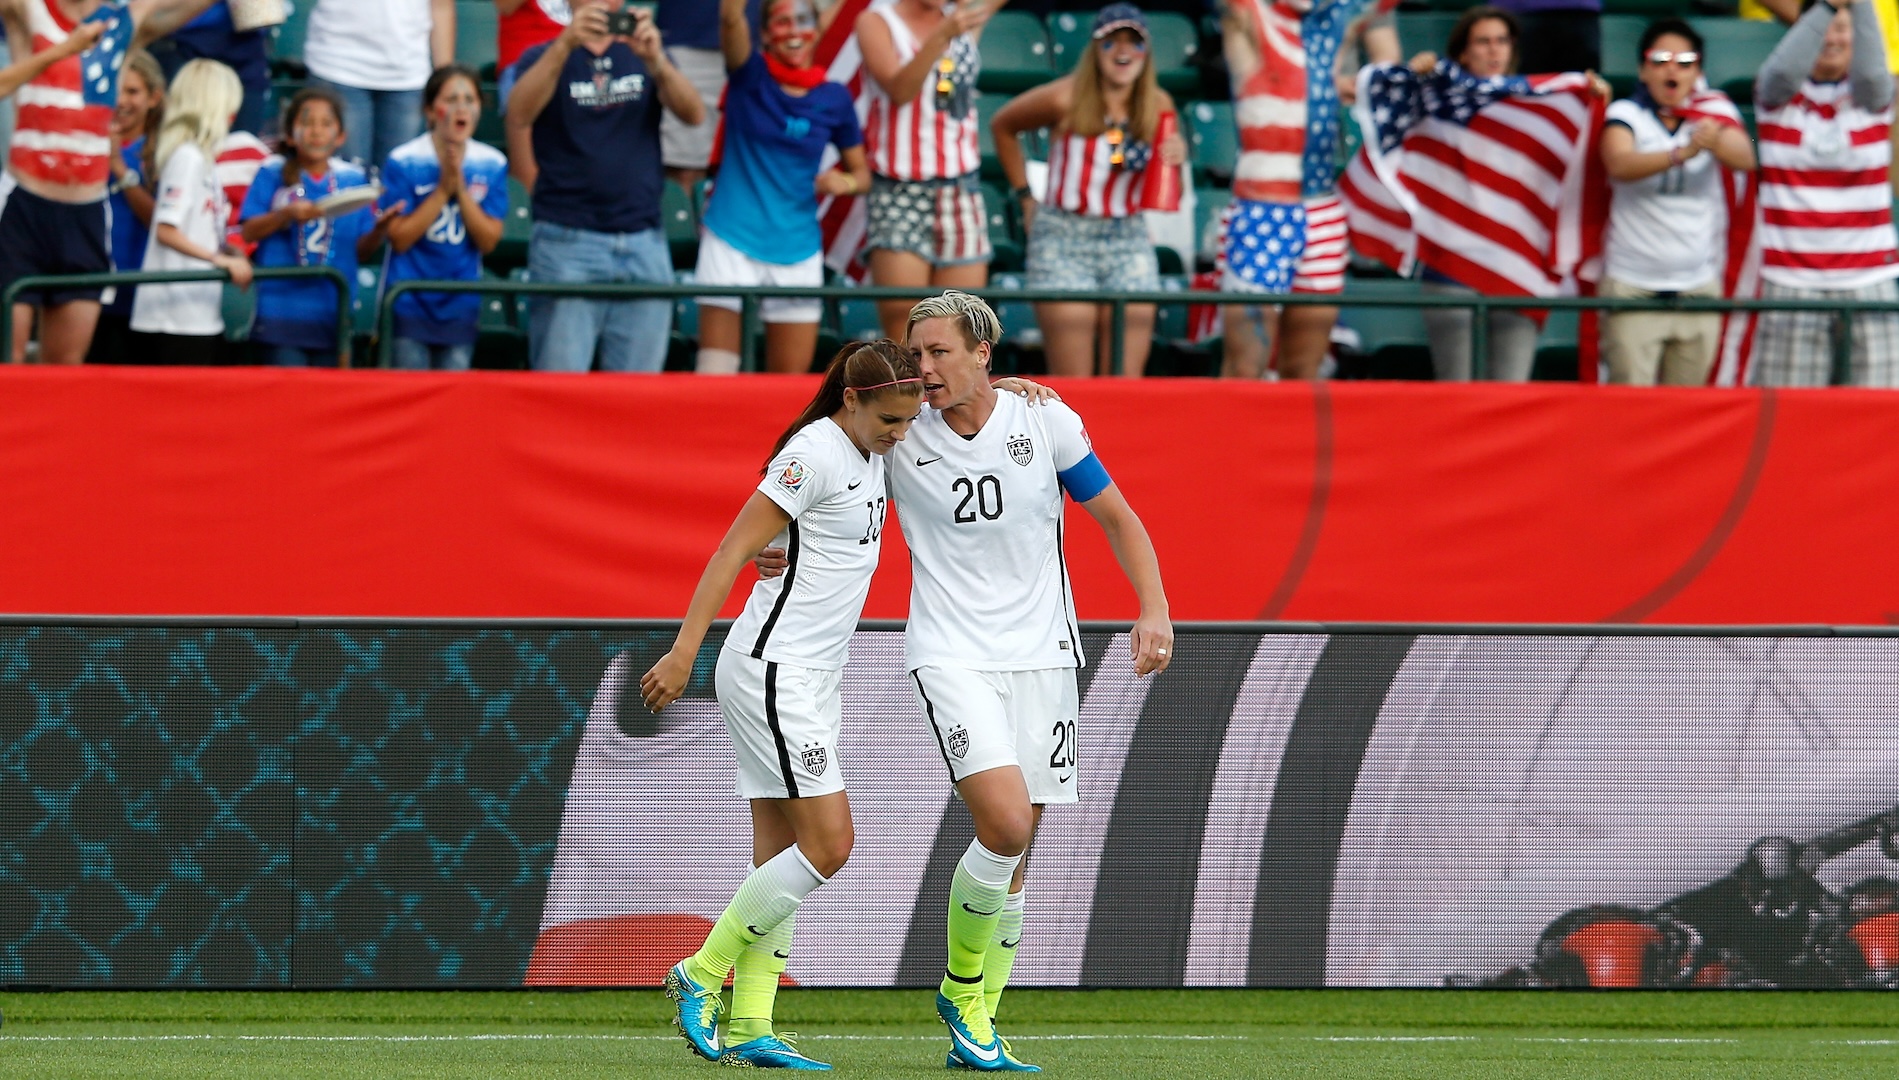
<point>1842,373</point>
<point>750,330</point>
<point>1480,338</point>
<point>1117,337</point>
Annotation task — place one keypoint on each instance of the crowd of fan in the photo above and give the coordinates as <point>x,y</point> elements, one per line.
<point>137,145</point>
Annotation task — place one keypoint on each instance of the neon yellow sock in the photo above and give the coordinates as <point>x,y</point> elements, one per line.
<point>755,984</point>
<point>977,891</point>
<point>1000,959</point>
<point>769,896</point>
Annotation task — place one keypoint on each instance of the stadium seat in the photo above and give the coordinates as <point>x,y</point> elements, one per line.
<point>512,251</point>
<point>239,307</point>
<point>476,26</point>
<point>1005,237</point>
<point>363,307</point>
<point>1068,36</point>
<point>1171,321</point>
<point>520,273</point>
<point>1176,51</point>
<point>857,320</point>
<point>681,224</point>
<point>491,128</point>
<point>701,195</point>
<point>1014,53</point>
<point>1018,316</point>
<point>1425,31</point>
<point>685,313</point>
<point>1208,203</point>
<point>1214,141</point>
<point>1034,144</point>
<point>1735,49</point>
<point>1621,41</point>
<point>286,39</point>
<point>1384,328</point>
<point>1646,9</point>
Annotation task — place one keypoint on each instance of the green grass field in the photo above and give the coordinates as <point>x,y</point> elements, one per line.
<point>1130,1034</point>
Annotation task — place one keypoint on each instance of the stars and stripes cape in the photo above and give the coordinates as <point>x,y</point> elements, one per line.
<point>845,219</point>
<point>1497,185</point>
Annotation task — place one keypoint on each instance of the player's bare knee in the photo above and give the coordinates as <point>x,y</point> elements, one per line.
<point>829,854</point>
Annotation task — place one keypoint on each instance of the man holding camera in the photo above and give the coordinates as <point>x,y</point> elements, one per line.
<point>592,99</point>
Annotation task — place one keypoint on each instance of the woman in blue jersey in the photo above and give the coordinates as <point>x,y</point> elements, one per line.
<point>140,110</point>
<point>761,227</point>
<point>459,188</point>
<point>296,317</point>
<point>822,500</point>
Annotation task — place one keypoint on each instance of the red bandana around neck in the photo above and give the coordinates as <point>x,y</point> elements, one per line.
<point>804,78</point>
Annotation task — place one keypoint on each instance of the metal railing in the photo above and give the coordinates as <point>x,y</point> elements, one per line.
<point>750,299</point>
<point>752,326</point>
<point>11,295</point>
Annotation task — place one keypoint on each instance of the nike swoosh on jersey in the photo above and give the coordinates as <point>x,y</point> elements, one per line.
<point>981,914</point>
<point>928,461</point>
<point>992,1054</point>
<point>424,189</point>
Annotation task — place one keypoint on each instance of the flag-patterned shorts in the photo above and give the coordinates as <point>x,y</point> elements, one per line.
<point>1071,251</point>
<point>943,222</point>
<point>1262,245</point>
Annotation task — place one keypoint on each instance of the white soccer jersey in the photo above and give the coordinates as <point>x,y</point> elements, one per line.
<point>835,495</point>
<point>983,518</point>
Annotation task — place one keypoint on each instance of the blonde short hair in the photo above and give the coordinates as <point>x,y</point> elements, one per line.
<point>977,319</point>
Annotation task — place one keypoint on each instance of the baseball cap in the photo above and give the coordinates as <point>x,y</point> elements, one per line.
<point>1121,16</point>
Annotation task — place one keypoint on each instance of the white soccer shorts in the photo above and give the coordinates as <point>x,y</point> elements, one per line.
<point>987,719</point>
<point>784,723</point>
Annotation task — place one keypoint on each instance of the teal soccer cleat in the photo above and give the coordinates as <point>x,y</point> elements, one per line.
<point>697,1015</point>
<point>771,1052</point>
<point>968,1052</point>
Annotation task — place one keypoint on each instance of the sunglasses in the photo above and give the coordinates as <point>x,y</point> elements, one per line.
<point>1681,59</point>
<point>1139,45</point>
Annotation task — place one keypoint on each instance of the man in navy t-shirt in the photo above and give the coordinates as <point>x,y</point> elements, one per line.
<point>593,102</point>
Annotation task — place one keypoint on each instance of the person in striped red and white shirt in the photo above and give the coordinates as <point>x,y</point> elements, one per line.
<point>1086,231</point>
<point>1825,101</point>
<point>928,225</point>
<point>53,217</point>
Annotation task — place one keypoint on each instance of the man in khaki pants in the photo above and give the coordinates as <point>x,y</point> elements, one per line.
<point>1667,217</point>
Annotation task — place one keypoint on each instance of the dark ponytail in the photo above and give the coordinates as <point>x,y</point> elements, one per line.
<point>874,366</point>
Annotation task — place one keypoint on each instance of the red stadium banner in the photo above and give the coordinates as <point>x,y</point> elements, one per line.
<point>259,492</point>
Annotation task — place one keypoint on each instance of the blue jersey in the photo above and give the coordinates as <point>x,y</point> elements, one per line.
<point>764,203</point>
<point>301,312</point>
<point>445,252</point>
<point>128,235</point>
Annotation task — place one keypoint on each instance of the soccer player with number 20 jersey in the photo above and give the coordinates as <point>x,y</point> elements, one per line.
<point>992,646</point>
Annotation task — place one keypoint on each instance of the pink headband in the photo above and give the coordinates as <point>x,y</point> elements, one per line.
<point>881,385</point>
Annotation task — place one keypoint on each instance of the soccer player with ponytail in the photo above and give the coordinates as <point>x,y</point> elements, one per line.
<point>822,499</point>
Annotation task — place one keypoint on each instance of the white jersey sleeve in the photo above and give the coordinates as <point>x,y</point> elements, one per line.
<point>835,495</point>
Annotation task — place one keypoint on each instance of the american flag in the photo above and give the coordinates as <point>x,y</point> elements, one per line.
<point>1741,274</point>
<point>1484,180</point>
<point>99,66</point>
<point>845,220</point>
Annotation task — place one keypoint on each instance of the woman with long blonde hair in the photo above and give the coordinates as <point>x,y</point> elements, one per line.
<point>183,323</point>
<point>1086,231</point>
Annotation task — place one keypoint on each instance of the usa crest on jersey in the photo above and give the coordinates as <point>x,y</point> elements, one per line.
<point>1021,450</point>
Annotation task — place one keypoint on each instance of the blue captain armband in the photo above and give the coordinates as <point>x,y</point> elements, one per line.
<point>1084,479</point>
